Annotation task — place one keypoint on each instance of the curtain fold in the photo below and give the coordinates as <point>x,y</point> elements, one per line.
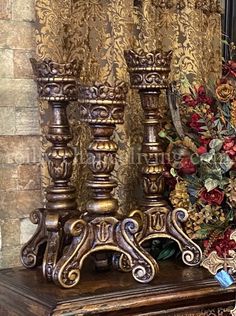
<point>97,32</point>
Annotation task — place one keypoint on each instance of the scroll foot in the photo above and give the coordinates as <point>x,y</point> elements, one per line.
<point>32,252</point>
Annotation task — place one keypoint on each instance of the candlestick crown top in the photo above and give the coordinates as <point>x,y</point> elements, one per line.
<point>56,81</point>
<point>148,70</point>
<point>103,103</point>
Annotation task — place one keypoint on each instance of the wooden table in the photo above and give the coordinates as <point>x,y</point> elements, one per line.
<point>179,290</point>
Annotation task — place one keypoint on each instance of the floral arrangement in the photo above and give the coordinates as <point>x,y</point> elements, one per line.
<point>202,165</point>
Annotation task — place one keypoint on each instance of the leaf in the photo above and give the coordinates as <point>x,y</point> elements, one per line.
<point>192,190</point>
<point>216,144</point>
<point>207,157</point>
<point>166,253</point>
<point>162,134</point>
<point>173,172</point>
<point>195,158</point>
<point>212,172</point>
<point>211,184</point>
<point>223,183</point>
<point>226,163</point>
<point>201,120</point>
<point>225,42</point>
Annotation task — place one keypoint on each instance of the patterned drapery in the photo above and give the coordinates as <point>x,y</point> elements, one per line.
<point>97,32</point>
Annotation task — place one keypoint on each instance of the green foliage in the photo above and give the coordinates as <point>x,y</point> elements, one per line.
<point>163,249</point>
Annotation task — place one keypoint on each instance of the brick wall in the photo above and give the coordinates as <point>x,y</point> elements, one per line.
<point>20,152</point>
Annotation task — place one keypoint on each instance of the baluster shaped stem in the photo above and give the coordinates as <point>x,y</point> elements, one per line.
<point>102,106</point>
<point>149,74</point>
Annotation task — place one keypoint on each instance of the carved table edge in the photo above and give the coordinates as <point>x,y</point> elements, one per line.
<point>129,300</point>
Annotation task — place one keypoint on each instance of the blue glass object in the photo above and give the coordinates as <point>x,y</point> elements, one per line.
<point>224,278</point>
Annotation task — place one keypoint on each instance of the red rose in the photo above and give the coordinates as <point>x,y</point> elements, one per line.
<point>194,122</point>
<point>186,166</point>
<point>214,196</point>
<point>201,150</point>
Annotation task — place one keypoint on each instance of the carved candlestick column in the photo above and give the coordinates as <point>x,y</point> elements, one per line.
<point>149,74</point>
<point>102,107</point>
<point>56,84</point>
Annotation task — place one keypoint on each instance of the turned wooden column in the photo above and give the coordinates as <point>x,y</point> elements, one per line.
<point>153,155</point>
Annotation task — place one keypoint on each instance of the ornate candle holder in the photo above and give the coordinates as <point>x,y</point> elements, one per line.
<point>149,74</point>
<point>56,84</point>
<point>102,107</point>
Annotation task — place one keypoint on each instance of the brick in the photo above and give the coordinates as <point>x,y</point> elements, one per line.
<point>29,177</point>
<point>10,257</point>
<point>18,93</point>
<point>27,201</point>
<point>1,223</point>
<point>22,65</point>
<point>11,232</point>
<point>8,177</point>
<point>27,229</point>
<point>27,121</point>
<point>23,11</point>
<point>8,204</point>
<point>16,35</point>
<point>5,9</point>
<point>8,121</point>
<point>20,149</point>
<point>18,204</point>
<point>6,63</point>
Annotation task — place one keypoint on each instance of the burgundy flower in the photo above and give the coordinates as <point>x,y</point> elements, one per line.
<point>204,141</point>
<point>202,97</point>
<point>194,123</point>
<point>223,244</point>
<point>214,196</point>
<point>229,69</point>
<point>186,166</point>
<point>188,100</point>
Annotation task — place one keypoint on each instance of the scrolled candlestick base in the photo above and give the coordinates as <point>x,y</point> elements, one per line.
<point>102,234</point>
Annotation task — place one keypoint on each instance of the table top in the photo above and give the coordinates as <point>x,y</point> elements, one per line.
<point>176,286</point>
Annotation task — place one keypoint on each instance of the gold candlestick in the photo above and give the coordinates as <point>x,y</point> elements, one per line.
<point>102,107</point>
<point>149,73</point>
<point>57,83</point>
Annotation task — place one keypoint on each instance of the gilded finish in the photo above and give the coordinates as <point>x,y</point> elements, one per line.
<point>57,84</point>
<point>100,229</point>
<point>149,72</point>
<point>213,263</point>
<point>32,251</point>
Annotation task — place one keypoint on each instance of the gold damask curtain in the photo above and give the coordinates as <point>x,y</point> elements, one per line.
<point>97,32</point>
